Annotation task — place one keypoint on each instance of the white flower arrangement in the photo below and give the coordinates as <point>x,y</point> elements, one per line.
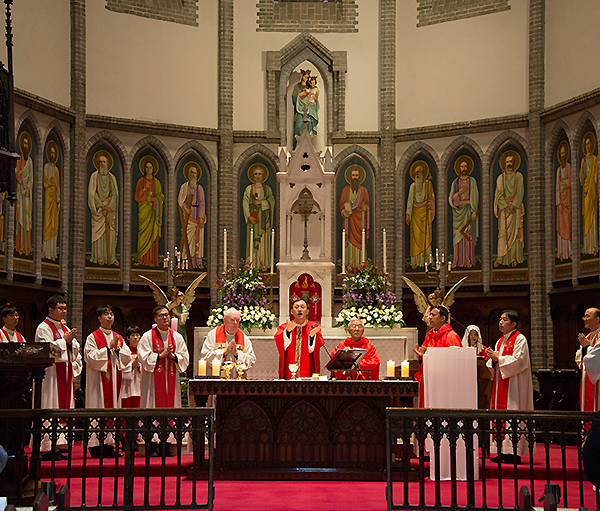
<point>372,316</point>
<point>251,317</point>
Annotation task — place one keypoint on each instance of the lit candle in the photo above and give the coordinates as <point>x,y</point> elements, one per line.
<point>251,256</point>
<point>449,266</point>
<point>404,366</point>
<point>202,367</point>
<point>224,249</point>
<point>425,266</point>
<point>391,368</point>
<point>363,247</point>
<point>384,252</point>
<point>272,250</point>
<point>442,257</point>
<point>216,367</point>
<point>436,255</point>
<point>343,251</point>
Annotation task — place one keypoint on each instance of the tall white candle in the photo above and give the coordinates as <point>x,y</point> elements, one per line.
<point>202,367</point>
<point>272,250</point>
<point>216,367</point>
<point>251,248</point>
<point>224,249</point>
<point>363,247</point>
<point>384,252</point>
<point>343,251</point>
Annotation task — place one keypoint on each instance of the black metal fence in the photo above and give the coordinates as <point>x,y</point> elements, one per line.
<point>552,457</point>
<point>164,457</point>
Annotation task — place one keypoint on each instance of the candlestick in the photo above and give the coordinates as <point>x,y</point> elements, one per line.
<point>224,249</point>
<point>384,252</point>
<point>363,247</point>
<point>449,266</point>
<point>425,266</point>
<point>216,367</point>
<point>272,250</point>
<point>391,368</point>
<point>404,369</point>
<point>202,367</point>
<point>343,251</point>
<point>436,255</point>
<point>442,258</point>
<point>251,248</point>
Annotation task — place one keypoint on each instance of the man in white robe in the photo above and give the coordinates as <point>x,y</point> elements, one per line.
<point>57,386</point>
<point>588,395</point>
<point>512,385</point>
<point>106,356</point>
<point>163,354</point>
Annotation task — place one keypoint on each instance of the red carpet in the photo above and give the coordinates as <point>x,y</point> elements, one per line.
<point>317,495</point>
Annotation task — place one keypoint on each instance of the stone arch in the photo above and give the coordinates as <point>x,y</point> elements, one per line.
<point>302,436</point>
<point>28,117</point>
<point>359,151</point>
<point>501,140</point>
<point>584,118</point>
<point>114,142</point>
<point>197,147</point>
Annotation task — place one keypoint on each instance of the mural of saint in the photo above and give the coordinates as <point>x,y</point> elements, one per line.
<point>355,207</point>
<point>464,203</point>
<point>588,178</point>
<point>103,201</point>
<point>420,212</point>
<point>258,204</point>
<point>299,88</point>
<point>509,209</point>
<point>51,182</point>
<point>24,177</point>
<point>563,202</point>
<point>192,213</point>
<point>150,199</point>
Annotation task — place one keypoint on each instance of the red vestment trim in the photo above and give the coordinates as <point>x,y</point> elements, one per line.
<point>107,376</point>
<point>221,338</point>
<point>20,338</point>
<point>500,390</point>
<point>588,391</point>
<point>64,370</point>
<point>309,362</point>
<point>164,372</point>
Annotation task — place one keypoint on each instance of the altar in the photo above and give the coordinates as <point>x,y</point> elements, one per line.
<point>301,429</point>
<point>392,344</point>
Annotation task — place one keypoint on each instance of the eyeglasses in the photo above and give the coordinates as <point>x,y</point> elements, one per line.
<point>165,315</point>
<point>60,307</point>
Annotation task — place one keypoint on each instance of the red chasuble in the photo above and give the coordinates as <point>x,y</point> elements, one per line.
<point>165,372</point>
<point>64,370</point>
<point>500,390</point>
<point>369,361</point>
<point>443,338</point>
<point>221,338</point>
<point>588,391</point>
<point>107,376</point>
<point>309,362</point>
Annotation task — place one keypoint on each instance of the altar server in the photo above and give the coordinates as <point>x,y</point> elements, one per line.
<point>9,317</point>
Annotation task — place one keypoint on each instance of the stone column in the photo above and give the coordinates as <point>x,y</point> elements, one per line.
<point>76,186</point>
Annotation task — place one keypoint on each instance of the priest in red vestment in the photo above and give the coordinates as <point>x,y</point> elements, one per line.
<point>589,391</point>
<point>441,335</point>
<point>370,361</point>
<point>304,353</point>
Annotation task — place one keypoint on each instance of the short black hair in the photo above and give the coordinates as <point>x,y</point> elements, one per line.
<point>443,311</point>
<point>54,300</point>
<point>299,300</point>
<point>133,329</point>
<point>158,308</point>
<point>102,309</point>
<point>7,309</point>
<point>512,315</point>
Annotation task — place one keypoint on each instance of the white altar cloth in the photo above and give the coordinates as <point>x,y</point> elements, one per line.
<point>450,376</point>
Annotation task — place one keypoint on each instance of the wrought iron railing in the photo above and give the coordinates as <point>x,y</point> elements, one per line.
<point>164,457</point>
<point>553,456</point>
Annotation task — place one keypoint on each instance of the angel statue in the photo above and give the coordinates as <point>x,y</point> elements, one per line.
<point>426,303</point>
<point>180,303</point>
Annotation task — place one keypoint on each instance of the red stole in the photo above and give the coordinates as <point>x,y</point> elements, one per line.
<point>64,370</point>
<point>165,375</point>
<point>500,388</point>
<point>588,391</point>
<point>20,338</point>
<point>107,376</point>
<point>221,338</point>
<point>309,362</point>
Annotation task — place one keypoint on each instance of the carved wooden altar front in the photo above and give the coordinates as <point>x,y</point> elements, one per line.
<point>301,429</point>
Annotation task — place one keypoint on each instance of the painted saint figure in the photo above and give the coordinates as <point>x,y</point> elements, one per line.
<point>588,177</point>
<point>103,201</point>
<point>51,182</point>
<point>24,176</point>
<point>150,199</point>
<point>192,212</point>
<point>509,210</point>
<point>464,202</point>
<point>308,100</point>
<point>298,88</point>
<point>563,203</point>
<point>258,204</point>
<point>354,207</point>
<point>420,212</point>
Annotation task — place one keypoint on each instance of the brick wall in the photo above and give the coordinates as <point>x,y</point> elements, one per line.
<point>174,11</point>
<point>431,12</point>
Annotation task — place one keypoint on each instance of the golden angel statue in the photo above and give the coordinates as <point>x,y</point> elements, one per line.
<point>180,303</point>
<point>426,303</point>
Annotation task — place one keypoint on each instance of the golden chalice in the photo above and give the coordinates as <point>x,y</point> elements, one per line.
<point>240,368</point>
<point>228,366</point>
